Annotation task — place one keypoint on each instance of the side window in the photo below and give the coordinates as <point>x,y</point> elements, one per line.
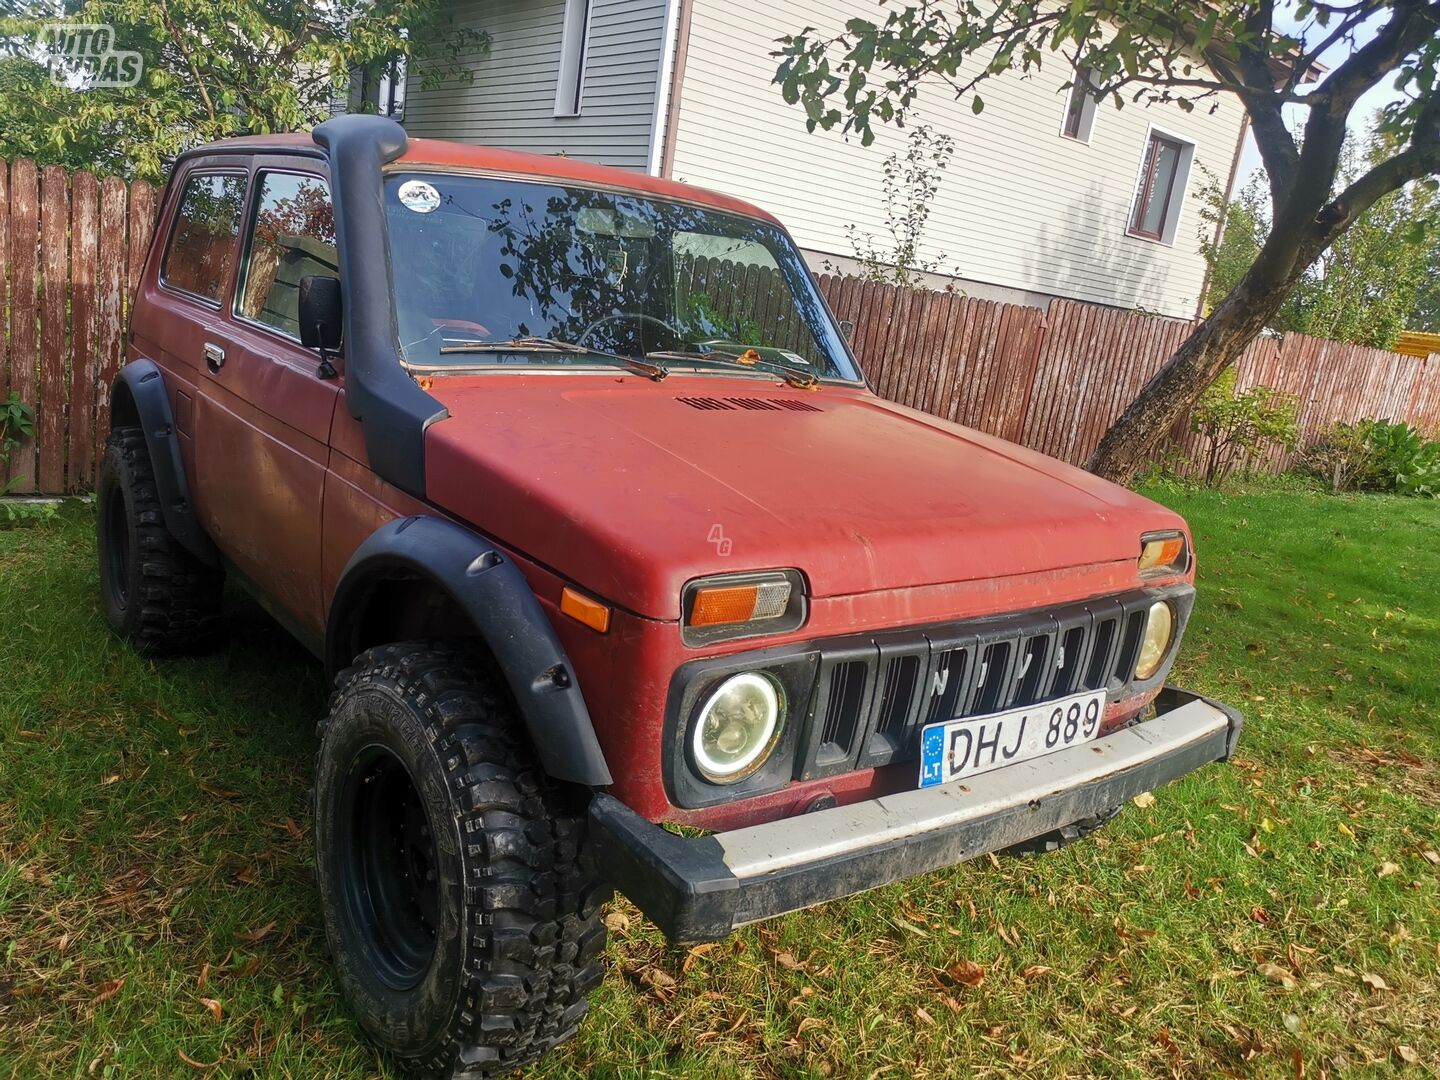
<point>293,235</point>
<point>202,240</point>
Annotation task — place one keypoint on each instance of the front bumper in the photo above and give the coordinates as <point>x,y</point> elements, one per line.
<point>700,889</point>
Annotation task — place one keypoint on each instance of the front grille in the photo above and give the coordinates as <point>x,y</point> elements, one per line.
<point>873,696</point>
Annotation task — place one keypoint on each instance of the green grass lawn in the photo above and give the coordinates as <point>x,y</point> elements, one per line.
<point>1278,914</point>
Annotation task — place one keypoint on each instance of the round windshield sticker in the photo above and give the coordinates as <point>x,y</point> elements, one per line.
<point>419,196</point>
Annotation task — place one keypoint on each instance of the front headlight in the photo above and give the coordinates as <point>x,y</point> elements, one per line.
<point>737,728</point>
<point>1159,629</point>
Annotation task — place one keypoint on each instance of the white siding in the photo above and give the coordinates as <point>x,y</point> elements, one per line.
<point>1020,207</point>
<point>511,102</point>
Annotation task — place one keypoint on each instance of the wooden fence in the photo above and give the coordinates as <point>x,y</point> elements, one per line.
<point>1056,380</point>
<point>71,249</point>
<point>72,246</point>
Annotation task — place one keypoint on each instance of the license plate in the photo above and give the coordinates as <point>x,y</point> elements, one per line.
<point>954,749</point>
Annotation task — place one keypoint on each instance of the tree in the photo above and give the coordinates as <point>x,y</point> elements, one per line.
<point>1148,51</point>
<point>1367,288</point>
<point>910,183</point>
<point>211,69</point>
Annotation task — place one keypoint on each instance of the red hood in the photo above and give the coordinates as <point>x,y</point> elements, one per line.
<point>625,487</point>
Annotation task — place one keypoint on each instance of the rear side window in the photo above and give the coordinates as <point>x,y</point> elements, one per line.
<point>293,235</point>
<point>202,241</point>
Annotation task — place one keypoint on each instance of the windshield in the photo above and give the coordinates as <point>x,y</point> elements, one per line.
<point>491,271</point>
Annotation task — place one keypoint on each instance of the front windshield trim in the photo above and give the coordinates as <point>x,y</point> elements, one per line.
<point>807,277</point>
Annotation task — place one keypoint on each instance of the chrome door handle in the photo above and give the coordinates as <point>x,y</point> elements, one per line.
<point>214,356</point>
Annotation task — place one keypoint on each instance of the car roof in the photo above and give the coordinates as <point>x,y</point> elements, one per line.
<point>465,156</point>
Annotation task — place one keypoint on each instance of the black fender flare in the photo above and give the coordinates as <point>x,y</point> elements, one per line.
<point>144,384</point>
<point>494,594</point>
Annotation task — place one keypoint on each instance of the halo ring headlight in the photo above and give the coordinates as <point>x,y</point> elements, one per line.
<point>737,727</point>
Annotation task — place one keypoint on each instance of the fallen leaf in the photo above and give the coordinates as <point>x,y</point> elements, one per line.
<point>923,1016</point>
<point>1035,971</point>
<point>1345,830</point>
<point>219,793</point>
<point>1374,982</point>
<point>1407,1054</point>
<point>697,952</point>
<point>1276,973</point>
<point>1144,800</point>
<point>204,978</point>
<point>1432,857</point>
<point>617,922</point>
<point>1387,868</point>
<point>788,962</point>
<point>256,935</point>
<point>201,1064</point>
<point>109,990</point>
<point>967,973</point>
<point>661,980</point>
<point>213,1007</point>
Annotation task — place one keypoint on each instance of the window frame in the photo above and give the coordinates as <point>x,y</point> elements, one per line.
<point>1085,115</point>
<point>574,57</point>
<point>247,235</point>
<point>241,170</point>
<point>1175,193</point>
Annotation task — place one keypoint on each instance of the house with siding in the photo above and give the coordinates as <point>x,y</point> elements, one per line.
<point>1046,195</point>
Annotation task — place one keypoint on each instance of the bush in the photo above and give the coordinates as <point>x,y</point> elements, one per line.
<point>1237,425</point>
<point>1406,463</point>
<point>17,422</point>
<point>1344,457</point>
<point>1376,455</point>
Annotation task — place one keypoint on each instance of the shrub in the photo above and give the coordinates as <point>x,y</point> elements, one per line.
<point>17,422</point>
<point>1405,463</point>
<point>1344,457</point>
<point>1237,425</point>
<point>1376,455</point>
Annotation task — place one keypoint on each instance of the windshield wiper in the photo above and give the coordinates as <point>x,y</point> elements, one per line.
<point>804,380</point>
<point>545,344</point>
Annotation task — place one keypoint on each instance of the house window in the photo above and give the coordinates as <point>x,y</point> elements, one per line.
<point>1080,107</point>
<point>574,43</point>
<point>1158,195</point>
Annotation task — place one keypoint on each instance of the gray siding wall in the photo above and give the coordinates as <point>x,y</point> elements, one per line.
<point>511,102</point>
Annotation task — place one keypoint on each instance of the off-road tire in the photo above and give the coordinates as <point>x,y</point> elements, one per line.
<point>489,963</point>
<point>156,595</point>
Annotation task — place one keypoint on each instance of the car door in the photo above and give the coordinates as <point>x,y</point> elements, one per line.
<point>179,304</point>
<point>263,408</point>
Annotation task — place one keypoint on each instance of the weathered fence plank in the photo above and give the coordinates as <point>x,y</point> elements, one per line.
<point>54,314</point>
<point>84,250</point>
<point>24,351</point>
<point>110,297</point>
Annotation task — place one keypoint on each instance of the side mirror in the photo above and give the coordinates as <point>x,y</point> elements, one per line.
<point>847,329</point>
<point>321,313</point>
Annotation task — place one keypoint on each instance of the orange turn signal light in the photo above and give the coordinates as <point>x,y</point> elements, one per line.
<point>1163,553</point>
<point>583,609</point>
<point>721,605</point>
